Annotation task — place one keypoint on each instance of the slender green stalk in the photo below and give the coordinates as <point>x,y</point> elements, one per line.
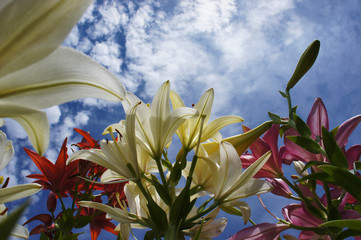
<point>289,104</point>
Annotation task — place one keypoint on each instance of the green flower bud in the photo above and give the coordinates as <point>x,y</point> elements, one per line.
<point>305,63</point>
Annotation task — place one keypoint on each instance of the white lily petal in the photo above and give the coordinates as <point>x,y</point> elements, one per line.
<point>19,191</point>
<point>160,106</point>
<point>229,171</point>
<point>110,175</point>
<point>175,120</point>
<point>99,157</point>
<point>33,121</point>
<point>18,231</point>
<point>6,150</point>
<point>253,169</point>
<point>117,214</point>
<point>236,206</point>
<point>213,127</point>
<point>131,138</point>
<point>250,188</point>
<point>32,29</point>
<point>63,76</point>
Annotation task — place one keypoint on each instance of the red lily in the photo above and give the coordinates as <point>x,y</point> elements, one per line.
<point>98,221</point>
<point>273,167</point>
<point>88,142</point>
<point>316,119</point>
<point>59,177</point>
<point>46,227</point>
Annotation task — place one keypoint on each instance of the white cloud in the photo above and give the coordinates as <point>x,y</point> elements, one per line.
<point>14,129</point>
<point>53,114</point>
<point>107,54</point>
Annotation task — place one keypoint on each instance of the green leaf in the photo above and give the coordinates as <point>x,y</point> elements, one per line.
<point>167,164</point>
<point>354,224</point>
<point>176,172</point>
<point>8,224</point>
<point>342,177</point>
<point>283,94</point>
<point>306,143</point>
<point>348,233</point>
<point>313,163</point>
<point>333,151</point>
<point>305,63</point>
<point>274,117</point>
<point>162,191</point>
<point>334,131</point>
<point>178,210</point>
<point>201,208</point>
<point>82,221</point>
<point>150,235</point>
<point>321,176</point>
<point>301,126</point>
<point>157,214</point>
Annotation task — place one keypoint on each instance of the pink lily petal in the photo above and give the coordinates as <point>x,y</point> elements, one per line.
<point>258,147</point>
<point>296,214</point>
<point>296,152</point>
<point>345,130</point>
<point>353,154</point>
<point>263,231</point>
<point>317,118</point>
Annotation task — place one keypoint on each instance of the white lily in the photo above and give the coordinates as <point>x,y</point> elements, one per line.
<point>213,227</point>
<point>16,192</point>
<point>119,155</point>
<point>189,131</point>
<point>36,73</point>
<point>229,182</point>
<point>156,125</point>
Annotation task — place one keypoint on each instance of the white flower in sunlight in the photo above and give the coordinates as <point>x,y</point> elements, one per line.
<point>229,183</point>
<point>189,131</point>
<point>16,192</point>
<point>36,73</point>
<point>155,125</point>
<point>213,227</point>
<point>119,155</point>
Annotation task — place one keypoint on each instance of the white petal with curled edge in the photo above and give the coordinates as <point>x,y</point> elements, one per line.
<point>117,214</point>
<point>63,76</point>
<point>32,29</point>
<point>6,150</point>
<point>19,191</point>
<point>34,122</point>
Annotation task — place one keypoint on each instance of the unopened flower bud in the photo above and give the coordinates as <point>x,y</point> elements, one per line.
<point>299,166</point>
<point>51,202</point>
<point>279,187</point>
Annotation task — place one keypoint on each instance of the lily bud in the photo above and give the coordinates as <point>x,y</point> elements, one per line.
<point>299,166</point>
<point>51,202</point>
<point>279,187</point>
<point>305,63</point>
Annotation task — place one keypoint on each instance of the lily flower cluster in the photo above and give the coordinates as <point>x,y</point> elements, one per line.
<point>130,178</point>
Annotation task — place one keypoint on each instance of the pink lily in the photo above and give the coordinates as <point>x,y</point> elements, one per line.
<point>263,231</point>
<point>297,214</point>
<point>316,119</point>
<point>273,167</point>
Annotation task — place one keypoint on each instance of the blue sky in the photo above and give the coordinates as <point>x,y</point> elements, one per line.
<point>246,50</point>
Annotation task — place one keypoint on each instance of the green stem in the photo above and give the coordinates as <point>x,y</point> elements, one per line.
<point>289,104</point>
<point>161,173</point>
<point>204,212</point>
